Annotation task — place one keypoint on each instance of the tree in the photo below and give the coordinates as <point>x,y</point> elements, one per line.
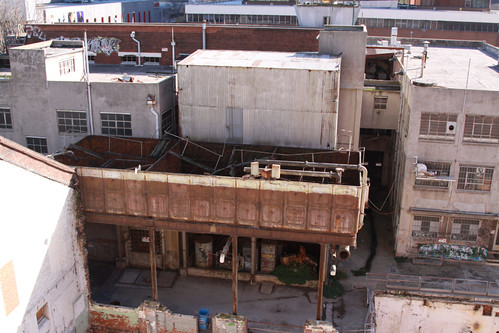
<point>12,20</point>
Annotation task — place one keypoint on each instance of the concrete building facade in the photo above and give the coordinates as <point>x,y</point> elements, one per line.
<point>43,289</point>
<point>46,98</point>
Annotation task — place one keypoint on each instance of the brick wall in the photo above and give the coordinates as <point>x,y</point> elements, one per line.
<point>188,38</point>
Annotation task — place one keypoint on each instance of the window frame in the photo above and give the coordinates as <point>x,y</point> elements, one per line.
<point>471,129</point>
<point>72,120</point>
<point>457,235</point>
<point>5,124</point>
<point>467,182</point>
<point>432,224</point>
<point>67,66</point>
<point>37,146</point>
<point>107,129</point>
<point>433,183</point>
<point>436,122</point>
<point>380,102</point>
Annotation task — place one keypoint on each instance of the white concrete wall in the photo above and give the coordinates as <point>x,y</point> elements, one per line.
<point>39,238</point>
<point>52,66</point>
<point>312,16</point>
<point>408,314</point>
<point>380,119</point>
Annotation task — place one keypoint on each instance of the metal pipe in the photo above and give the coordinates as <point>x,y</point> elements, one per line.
<point>204,34</point>
<point>156,115</point>
<point>152,259</point>
<point>87,75</point>
<point>225,250</point>
<point>234,274</point>
<point>306,173</point>
<point>132,35</point>
<point>174,64</point>
<point>184,249</point>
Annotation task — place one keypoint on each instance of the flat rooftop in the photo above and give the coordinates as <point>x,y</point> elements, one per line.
<point>140,74</point>
<point>260,59</point>
<point>448,67</point>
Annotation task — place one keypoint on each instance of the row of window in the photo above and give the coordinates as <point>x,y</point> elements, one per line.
<point>470,178</point>
<point>429,227</point>
<point>243,19</point>
<point>428,25</point>
<point>443,127</point>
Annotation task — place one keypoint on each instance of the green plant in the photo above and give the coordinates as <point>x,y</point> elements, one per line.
<point>401,259</point>
<point>293,274</point>
<point>333,289</point>
<point>359,272</point>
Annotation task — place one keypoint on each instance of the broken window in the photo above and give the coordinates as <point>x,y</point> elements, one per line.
<point>66,66</point>
<point>42,315</point>
<point>72,121</point>
<point>475,178</point>
<point>464,229</point>
<point>5,118</point>
<point>438,169</point>
<point>118,124</point>
<point>436,126</point>
<point>481,129</point>
<point>37,144</point>
<point>425,226</point>
<point>140,240</point>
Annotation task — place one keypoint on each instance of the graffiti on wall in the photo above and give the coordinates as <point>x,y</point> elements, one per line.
<point>106,45</point>
<point>455,252</point>
<point>35,31</point>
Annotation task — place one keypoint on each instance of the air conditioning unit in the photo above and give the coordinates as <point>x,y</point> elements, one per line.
<point>451,127</point>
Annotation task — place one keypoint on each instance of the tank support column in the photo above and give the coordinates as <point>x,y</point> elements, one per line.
<point>152,259</point>
<point>234,274</point>
<point>322,276</point>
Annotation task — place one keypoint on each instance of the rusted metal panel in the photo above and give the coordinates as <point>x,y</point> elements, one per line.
<point>277,205</point>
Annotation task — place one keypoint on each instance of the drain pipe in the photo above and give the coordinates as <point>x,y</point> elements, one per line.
<point>132,35</point>
<point>151,102</point>
<point>87,75</point>
<point>204,34</point>
<point>174,64</point>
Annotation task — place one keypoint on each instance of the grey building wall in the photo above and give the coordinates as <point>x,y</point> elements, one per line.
<point>350,42</point>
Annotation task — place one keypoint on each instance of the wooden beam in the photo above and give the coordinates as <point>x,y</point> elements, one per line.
<point>305,236</point>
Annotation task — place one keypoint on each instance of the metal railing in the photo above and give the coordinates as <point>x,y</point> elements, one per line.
<point>432,284</point>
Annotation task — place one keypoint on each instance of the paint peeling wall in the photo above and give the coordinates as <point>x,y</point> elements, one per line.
<point>407,314</point>
<point>39,242</point>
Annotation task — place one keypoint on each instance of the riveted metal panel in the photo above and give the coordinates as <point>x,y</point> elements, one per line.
<point>114,195</point>
<point>319,211</point>
<point>135,197</point>
<point>157,198</point>
<point>272,203</point>
<point>247,206</point>
<point>93,193</point>
<point>224,200</point>
<point>201,202</point>
<point>179,201</point>
<point>344,221</point>
<point>295,207</point>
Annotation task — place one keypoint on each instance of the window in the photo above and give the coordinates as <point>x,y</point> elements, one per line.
<point>380,102</point>
<point>91,58</point>
<point>42,315</point>
<point>326,20</point>
<point>464,229</point>
<point>140,240</point>
<point>441,169</point>
<point>151,60</point>
<point>67,66</point>
<point>481,129</point>
<point>437,126</point>
<point>475,178</point>
<point>119,124</point>
<point>129,59</point>
<point>425,226</point>
<point>72,121</point>
<point>37,144</point>
<point>5,119</point>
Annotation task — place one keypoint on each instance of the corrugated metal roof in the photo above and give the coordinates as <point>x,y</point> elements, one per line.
<point>259,59</point>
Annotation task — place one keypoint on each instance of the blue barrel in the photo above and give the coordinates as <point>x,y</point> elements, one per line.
<point>204,318</point>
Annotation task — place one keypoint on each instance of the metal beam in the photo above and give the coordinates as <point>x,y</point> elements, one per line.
<point>234,274</point>
<point>305,173</point>
<point>152,258</point>
<point>253,257</point>
<point>184,249</point>
<point>306,236</point>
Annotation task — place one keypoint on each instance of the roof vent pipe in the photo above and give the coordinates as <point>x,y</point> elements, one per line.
<point>132,35</point>
<point>204,34</point>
